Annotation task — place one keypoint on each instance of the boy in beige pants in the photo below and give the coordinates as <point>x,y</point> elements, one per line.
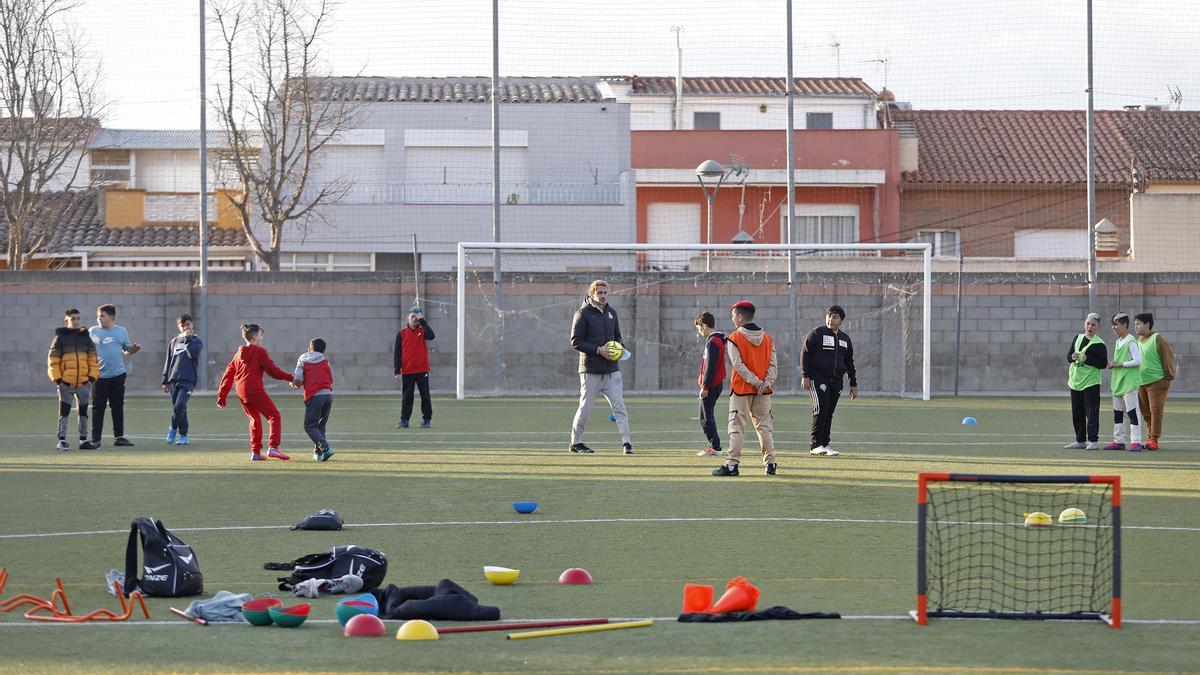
<point>754,367</point>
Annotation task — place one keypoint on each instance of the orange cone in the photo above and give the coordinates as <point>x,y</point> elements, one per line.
<point>740,596</point>
<point>697,598</point>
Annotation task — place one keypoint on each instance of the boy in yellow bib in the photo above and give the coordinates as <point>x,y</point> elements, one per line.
<point>1126,378</point>
<point>1088,358</point>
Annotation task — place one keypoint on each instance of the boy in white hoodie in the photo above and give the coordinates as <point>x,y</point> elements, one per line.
<point>314,374</point>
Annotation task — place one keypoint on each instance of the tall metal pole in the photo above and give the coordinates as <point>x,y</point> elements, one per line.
<point>202,282</point>
<point>1091,169</point>
<point>708,254</point>
<point>793,311</point>
<point>958,322</point>
<point>496,194</point>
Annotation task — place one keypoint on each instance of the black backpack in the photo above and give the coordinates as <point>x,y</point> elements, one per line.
<point>169,566</point>
<point>367,563</point>
<point>325,519</point>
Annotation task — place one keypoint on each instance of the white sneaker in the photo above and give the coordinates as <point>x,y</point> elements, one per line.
<point>347,583</point>
<point>824,450</point>
<point>309,588</point>
<point>1075,446</point>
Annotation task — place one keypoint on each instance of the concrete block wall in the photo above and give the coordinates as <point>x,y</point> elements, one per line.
<point>1014,331</point>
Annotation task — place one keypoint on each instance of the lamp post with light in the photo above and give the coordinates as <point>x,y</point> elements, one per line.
<point>710,169</point>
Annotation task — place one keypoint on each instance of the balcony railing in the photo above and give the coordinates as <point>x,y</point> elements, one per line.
<point>480,193</point>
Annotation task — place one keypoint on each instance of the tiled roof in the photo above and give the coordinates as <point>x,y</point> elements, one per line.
<point>459,89</point>
<point>1025,147</point>
<point>155,139</point>
<point>75,129</point>
<point>84,229</point>
<point>750,86</point>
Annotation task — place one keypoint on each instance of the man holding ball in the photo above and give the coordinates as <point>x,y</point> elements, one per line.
<point>594,327</point>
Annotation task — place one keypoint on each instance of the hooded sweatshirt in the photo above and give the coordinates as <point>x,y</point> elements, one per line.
<point>183,354</point>
<point>246,371</point>
<point>314,371</point>
<point>752,359</point>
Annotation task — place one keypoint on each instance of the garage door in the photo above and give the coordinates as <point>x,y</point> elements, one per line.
<point>1050,243</point>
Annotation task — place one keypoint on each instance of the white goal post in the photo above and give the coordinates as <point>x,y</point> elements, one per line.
<point>794,251</point>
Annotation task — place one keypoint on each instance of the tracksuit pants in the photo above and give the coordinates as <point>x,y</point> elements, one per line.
<point>316,416</point>
<point>109,392</point>
<point>259,404</point>
<point>708,422</point>
<point>1126,405</point>
<point>757,408</point>
<point>79,395</point>
<point>181,393</point>
<point>421,382</point>
<point>608,385</point>
<point>1085,414</point>
<point>1152,399</point>
<point>825,393</point>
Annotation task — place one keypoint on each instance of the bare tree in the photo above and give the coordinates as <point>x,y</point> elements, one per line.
<point>50,98</point>
<point>276,114</point>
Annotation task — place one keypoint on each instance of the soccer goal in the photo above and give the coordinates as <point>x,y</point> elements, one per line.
<point>1018,547</point>
<point>514,327</point>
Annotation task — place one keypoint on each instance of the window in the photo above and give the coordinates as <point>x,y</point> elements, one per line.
<point>110,166</point>
<point>818,120</point>
<point>945,242</point>
<point>325,262</point>
<point>1050,243</point>
<point>706,120</point>
<point>824,224</point>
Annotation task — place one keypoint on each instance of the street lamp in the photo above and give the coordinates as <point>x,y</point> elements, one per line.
<point>710,169</point>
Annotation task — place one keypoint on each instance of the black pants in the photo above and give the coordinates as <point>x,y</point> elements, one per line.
<point>108,392</point>
<point>825,393</point>
<point>421,382</point>
<point>1085,414</point>
<point>181,393</point>
<point>708,422</point>
<point>316,416</point>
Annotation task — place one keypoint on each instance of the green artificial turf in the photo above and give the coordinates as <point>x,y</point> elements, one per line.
<point>437,501</point>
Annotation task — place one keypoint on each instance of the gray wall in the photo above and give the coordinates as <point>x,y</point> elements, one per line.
<point>1015,330</point>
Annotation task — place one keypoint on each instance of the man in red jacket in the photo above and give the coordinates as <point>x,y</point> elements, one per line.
<point>315,375</point>
<point>246,370</point>
<point>411,361</point>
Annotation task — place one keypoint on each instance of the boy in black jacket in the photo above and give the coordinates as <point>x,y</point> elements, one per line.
<point>828,356</point>
<point>179,376</point>
<point>711,380</point>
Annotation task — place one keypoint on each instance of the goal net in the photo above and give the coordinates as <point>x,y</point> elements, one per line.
<point>514,327</point>
<point>1019,547</point>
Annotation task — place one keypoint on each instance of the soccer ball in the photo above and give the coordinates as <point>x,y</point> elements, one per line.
<point>614,350</point>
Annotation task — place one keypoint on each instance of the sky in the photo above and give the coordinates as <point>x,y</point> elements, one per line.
<point>935,54</point>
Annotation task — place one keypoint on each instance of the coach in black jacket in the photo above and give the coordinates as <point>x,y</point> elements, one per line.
<point>828,356</point>
<point>594,326</point>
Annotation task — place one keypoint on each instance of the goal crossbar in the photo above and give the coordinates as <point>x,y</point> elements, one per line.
<point>926,250</point>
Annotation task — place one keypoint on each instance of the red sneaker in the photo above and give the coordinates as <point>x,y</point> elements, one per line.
<point>1134,447</point>
<point>1115,446</point>
<point>275,454</point>
<point>1152,444</point>
<point>255,457</point>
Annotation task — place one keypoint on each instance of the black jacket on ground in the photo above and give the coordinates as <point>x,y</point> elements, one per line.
<point>447,601</point>
<point>828,354</point>
<point>590,329</point>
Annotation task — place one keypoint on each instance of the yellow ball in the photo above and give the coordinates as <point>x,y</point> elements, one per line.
<point>417,629</point>
<point>1038,519</point>
<point>614,349</point>
<point>1072,516</point>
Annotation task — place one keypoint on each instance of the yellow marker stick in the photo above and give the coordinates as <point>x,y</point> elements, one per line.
<point>580,629</point>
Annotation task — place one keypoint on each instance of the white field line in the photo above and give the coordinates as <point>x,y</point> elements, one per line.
<point>571,521</point>
<point>665,619</point>
<point>425,433</point>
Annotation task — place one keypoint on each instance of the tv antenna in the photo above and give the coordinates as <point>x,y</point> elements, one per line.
<point>836,45</point>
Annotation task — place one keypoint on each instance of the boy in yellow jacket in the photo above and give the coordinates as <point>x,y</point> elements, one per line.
<point>72,367</point>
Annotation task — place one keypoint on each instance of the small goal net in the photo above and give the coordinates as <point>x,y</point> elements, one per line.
<point>514,326</point>
<point>1019,547</point>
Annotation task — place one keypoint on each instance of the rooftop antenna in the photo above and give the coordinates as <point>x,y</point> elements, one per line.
<point>884,59</point>
<point>1176,96</point>
<point>837,51</point>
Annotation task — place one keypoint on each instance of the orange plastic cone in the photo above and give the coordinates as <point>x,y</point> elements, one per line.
<point>697,598</point>
<point>740,596</point>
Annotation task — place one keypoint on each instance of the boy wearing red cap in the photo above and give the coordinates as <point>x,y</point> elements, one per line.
<point>753,368</point>
<point>246,371</point>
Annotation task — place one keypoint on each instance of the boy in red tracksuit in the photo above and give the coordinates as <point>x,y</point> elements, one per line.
<point>246,370</point>
<point>314,374</point>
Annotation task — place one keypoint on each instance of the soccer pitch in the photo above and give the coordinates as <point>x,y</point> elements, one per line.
<point>830,534</point>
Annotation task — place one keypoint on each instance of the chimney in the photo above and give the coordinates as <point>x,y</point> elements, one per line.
<point>909,157</point>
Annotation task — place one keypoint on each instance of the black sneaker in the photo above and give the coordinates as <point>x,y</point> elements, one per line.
<point>88,445</point>
<point>771,469</point>
<point>62,445</point>
<point>402,424</point>
<point>628,449</point>
<point>725,470</point>
<point>123,442</point>
<point>581,448</point>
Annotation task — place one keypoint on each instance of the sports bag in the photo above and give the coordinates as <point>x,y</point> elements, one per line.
<point>367,563</point>
<point>325,519</point>
<point>169,566</point>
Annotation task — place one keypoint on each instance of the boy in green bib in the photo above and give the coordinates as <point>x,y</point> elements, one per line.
<point>1126,378</point>
<point>1157,371</point>
<point>1088,357</point>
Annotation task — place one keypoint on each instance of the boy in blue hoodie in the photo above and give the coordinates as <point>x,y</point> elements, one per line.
<point>179,376</point>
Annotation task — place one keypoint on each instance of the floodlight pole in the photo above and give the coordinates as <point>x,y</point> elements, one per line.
<point>1091,169</point>
<point>497,297</point>
<point>710,168</point>
<point>202,281</point>
<point>793,314</point>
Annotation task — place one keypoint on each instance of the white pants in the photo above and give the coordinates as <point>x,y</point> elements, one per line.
<point>1126,406</point>
<point>609,386</point>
